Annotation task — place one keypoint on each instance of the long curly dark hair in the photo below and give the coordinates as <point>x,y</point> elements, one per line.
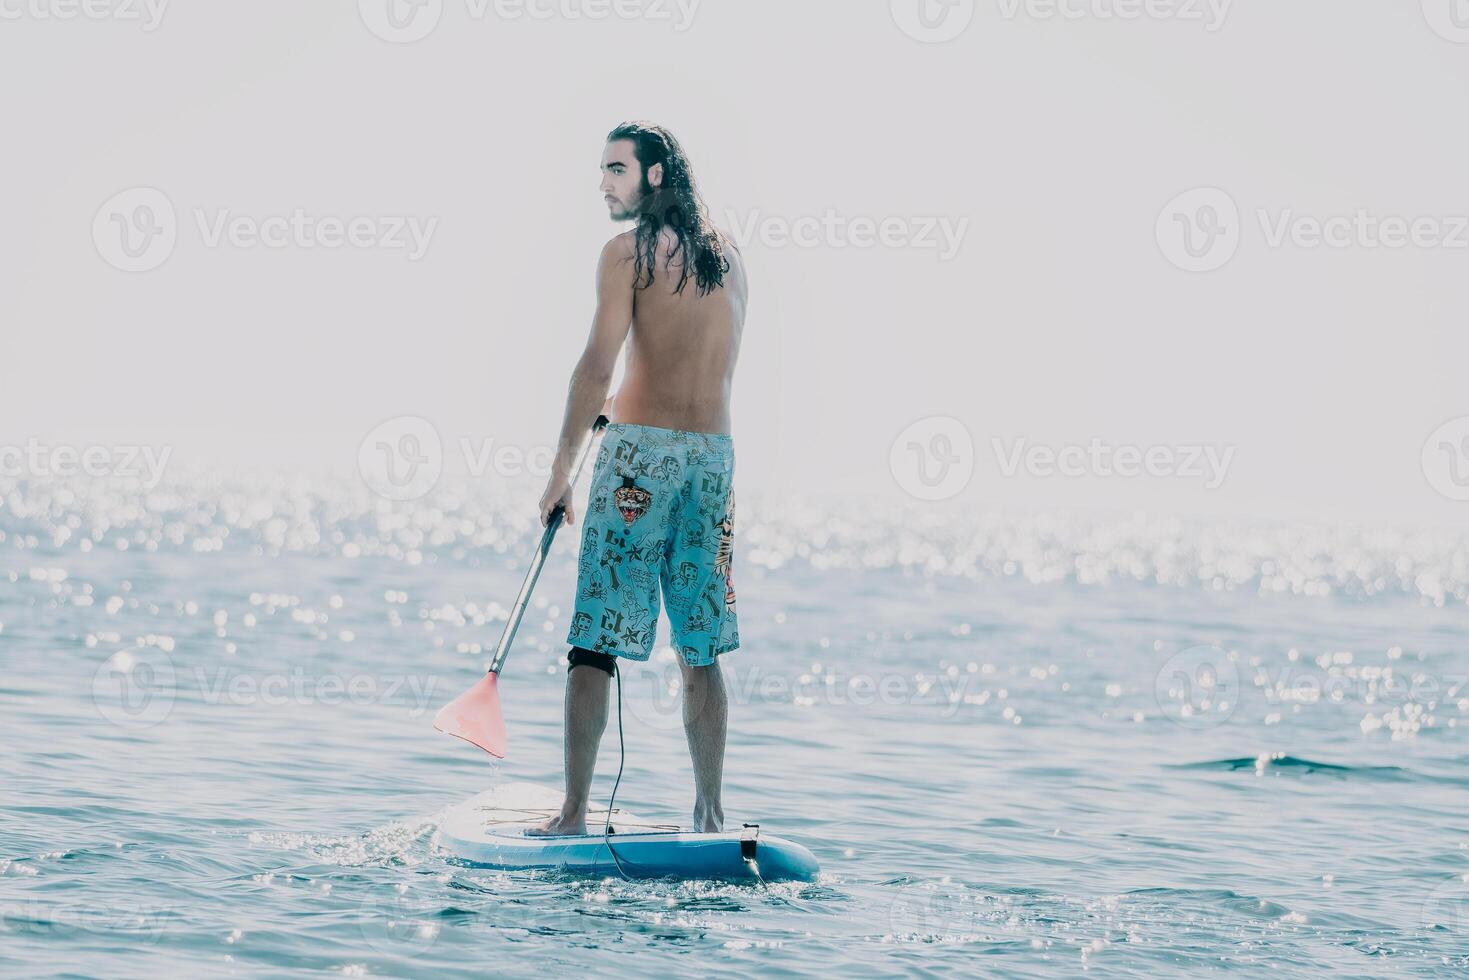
<point>676,205</point>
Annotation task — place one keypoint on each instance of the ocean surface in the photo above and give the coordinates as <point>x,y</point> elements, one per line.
<point>1026,745</point>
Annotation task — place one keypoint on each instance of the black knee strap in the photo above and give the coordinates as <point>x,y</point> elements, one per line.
<point>591,658</point>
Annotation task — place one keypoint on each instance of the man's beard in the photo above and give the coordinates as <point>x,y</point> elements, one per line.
<point>634,209</point>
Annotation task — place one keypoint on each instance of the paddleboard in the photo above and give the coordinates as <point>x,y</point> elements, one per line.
<point>488,830</point>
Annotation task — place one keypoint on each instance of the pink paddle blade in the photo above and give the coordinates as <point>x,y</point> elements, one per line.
<point>475,716</point>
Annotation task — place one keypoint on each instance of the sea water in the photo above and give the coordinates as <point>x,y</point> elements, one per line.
<point>1024,745</point>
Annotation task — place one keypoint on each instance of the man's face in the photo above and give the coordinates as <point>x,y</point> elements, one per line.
<point>623,186</point>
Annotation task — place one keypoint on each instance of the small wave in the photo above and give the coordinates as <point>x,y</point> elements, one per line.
<point>1212,898</point>
<point>396,844</point>
<point>1281,762</point>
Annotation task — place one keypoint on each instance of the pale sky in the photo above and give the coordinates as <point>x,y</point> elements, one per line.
<point>1047,149</point>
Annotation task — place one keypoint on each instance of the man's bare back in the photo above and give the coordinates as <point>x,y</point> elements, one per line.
<point>682,349</point>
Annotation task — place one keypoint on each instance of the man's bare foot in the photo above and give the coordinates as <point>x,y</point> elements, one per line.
<point>560,825</point>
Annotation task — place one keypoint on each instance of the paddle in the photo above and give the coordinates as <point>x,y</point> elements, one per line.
<point>475,715</point>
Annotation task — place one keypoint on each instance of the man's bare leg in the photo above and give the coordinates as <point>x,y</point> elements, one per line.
<point>586,718</point>
<point>705,713</point>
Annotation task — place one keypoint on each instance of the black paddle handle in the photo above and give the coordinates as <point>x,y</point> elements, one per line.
<point>538,560</point>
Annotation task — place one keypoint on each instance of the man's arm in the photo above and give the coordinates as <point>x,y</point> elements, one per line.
<point>587,392</point>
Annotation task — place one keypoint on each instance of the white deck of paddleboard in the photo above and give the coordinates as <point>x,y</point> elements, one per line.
<point>489,830</point>
<point>503,814</point>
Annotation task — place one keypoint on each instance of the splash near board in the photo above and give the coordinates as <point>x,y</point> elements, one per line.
<point>488,830</point>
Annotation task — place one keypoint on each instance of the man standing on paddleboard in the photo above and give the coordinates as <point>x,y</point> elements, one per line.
<point>660,511</point>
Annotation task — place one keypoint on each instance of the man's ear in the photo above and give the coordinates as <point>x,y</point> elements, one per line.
<point>655,175</point>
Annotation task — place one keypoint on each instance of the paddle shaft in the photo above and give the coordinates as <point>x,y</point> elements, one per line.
<point>539,558</point>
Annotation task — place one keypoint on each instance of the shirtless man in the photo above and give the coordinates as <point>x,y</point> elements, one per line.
<point>660,511</point>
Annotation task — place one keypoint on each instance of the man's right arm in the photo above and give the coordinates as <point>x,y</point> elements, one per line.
<point>586,394</point>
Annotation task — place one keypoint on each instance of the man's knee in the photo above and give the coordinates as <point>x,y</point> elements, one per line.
<point>700,676</point>
<point>580,657</point>
<point>712,665</point>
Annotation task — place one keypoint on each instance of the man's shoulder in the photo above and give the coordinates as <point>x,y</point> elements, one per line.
<point>622,246</point>
<point>618,256</point>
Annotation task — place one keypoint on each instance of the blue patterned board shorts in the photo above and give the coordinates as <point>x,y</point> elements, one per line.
<point>660,512</point>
